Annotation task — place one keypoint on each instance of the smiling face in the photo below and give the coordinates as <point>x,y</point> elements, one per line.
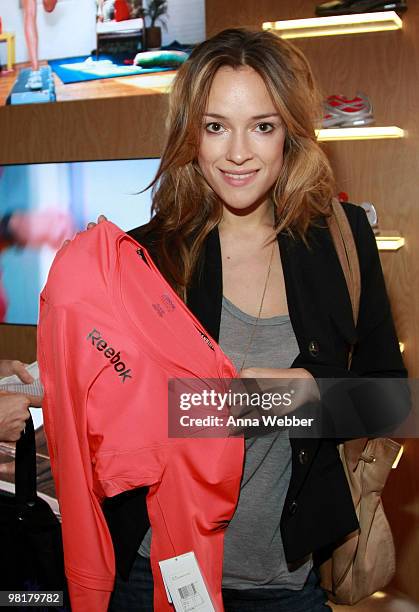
<point>242,139</point>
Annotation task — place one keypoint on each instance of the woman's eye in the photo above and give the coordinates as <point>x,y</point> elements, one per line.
<point>265,127</point>
<point>214,127</point>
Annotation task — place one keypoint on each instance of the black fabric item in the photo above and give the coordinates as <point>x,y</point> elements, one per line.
<point>344,7</point>
<point>127,518</point>
<point>30,533</point>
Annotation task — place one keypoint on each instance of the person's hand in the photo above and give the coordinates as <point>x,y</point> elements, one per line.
<point>99,220</point>
<point>275,373</point>
<point>10,367</point>
<point>297,381</point>
<point>14,412</point>
<point>89,226</point>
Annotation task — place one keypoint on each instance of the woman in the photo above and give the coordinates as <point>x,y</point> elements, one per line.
<point>240,202</point>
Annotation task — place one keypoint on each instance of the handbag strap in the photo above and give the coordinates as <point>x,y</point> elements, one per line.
<point>344,242</point>
<point>343,239</point>
<point>25,467</point>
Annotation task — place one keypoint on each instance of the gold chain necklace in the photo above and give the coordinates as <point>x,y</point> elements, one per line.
<point>252,334</point>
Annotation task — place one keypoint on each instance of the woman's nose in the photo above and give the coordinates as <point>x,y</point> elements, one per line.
<point>239,149</point>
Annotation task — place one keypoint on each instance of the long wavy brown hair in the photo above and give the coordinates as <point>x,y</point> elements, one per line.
<point>185,207</point>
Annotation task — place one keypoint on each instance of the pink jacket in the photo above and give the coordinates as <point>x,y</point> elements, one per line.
<point>111,334</point>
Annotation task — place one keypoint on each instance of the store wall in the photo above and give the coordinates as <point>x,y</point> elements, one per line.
<point>104,128</point>
<point>18,342</point>
<point>386,67</point>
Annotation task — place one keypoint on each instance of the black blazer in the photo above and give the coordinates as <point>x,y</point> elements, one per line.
<point>318,510</point>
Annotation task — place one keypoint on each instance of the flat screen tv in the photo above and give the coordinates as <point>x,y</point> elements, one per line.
<point>43,204</point>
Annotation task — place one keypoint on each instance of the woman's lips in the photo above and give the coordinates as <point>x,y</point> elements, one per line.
<point>238,179</point>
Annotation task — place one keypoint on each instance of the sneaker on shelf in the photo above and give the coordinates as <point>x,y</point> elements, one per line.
<point>371,215</point>
<point>347,7</point>
<point>34,81</point>
<point>333,7</point>
<point>340,111</point>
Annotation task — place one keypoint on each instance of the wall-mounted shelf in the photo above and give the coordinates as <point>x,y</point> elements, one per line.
<point>336,25</point>
<point>399,456</point>
<point>359,133</point>
<point>389,241</point>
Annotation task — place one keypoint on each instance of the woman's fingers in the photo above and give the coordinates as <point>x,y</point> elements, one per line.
<point>99,220</point>
<point>89,226</point>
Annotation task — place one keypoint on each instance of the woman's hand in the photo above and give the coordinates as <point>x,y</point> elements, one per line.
<point>89,226</point>
<point>298,381</point>
<point>99,220</point>
<point>275,373</point>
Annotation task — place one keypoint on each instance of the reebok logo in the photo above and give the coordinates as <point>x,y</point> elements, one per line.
<point>95,337</point>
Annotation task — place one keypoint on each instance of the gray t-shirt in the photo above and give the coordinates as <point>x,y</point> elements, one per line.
<point>253,551</point>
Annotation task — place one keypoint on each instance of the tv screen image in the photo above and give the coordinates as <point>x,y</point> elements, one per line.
<point>41,205</point>
<point>88,49</point>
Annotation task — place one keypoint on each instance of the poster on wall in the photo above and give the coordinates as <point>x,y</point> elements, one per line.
<point>78,49</point>
<point>41,205</point>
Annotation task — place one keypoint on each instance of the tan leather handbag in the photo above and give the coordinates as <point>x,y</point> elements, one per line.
<point>365,561</point>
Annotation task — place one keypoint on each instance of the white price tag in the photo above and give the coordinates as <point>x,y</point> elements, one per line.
<point>185,585</point>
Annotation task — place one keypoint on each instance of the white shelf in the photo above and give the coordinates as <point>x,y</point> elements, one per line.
<point>336,25</point>
<point>399,456</point>
<point>360,133</point>
<point>389,240</point>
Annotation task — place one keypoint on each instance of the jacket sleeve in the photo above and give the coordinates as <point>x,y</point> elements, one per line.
<point>67,371</point>
<point>375,406</point>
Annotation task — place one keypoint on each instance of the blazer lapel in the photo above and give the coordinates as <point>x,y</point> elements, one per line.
<point>205,293</point>
<point>317,294</point>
